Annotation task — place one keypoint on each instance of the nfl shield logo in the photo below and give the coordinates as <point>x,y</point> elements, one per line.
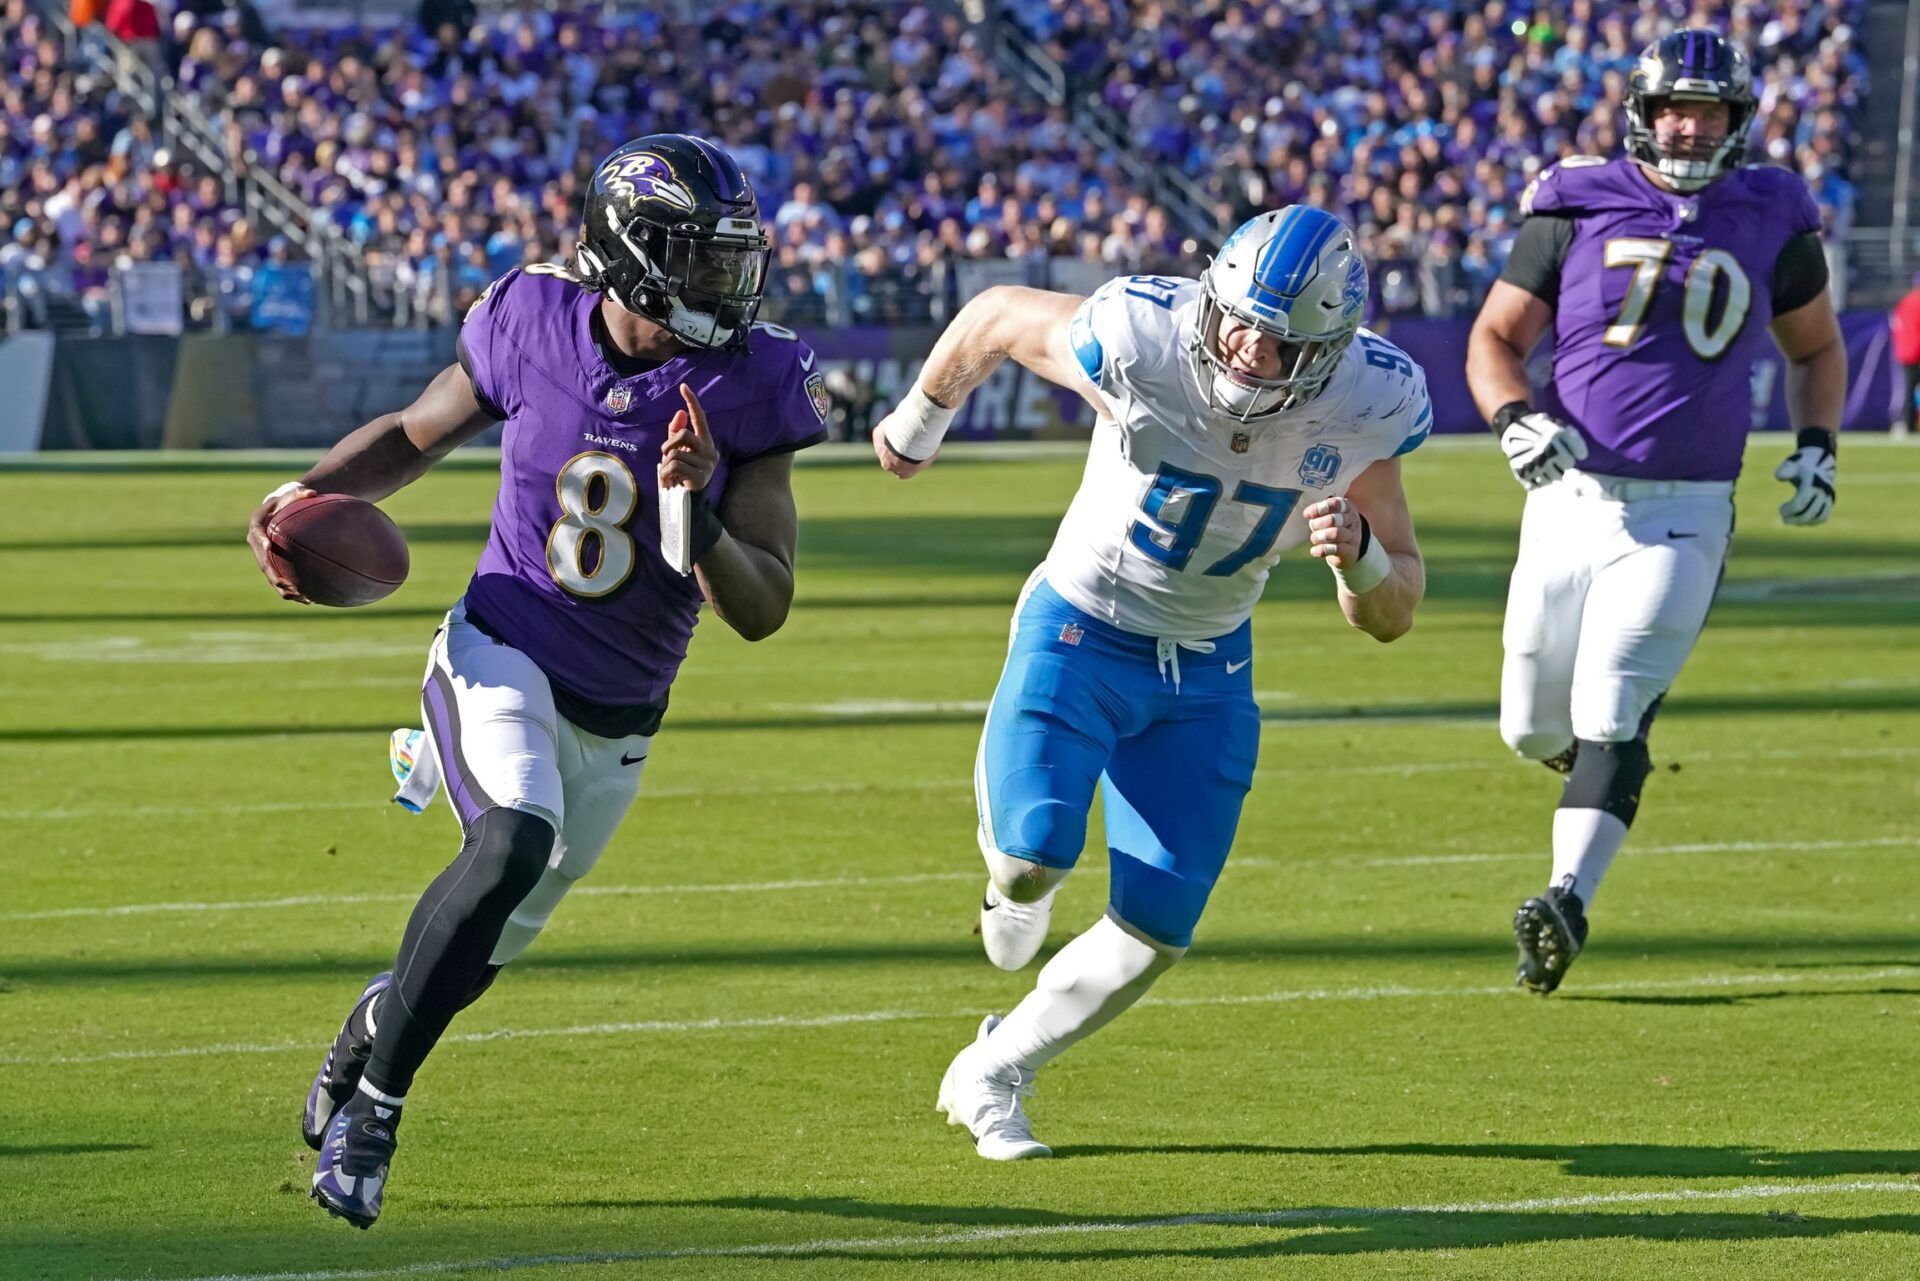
<point>1240,442</point>
<point>619,399</point>
<point>1320,466</point>
<point>1070,634</point>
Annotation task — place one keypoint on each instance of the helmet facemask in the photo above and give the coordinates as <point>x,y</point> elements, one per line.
<point>1688,163</point>
<point>703,286</point>
<point>672,233</point>
<point>1306,363</point>
<point>1689,66</point>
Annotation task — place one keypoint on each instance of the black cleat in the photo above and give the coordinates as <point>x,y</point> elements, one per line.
<point>340,1072</point>
<point>1550,931</point>
<point>350,1178</point>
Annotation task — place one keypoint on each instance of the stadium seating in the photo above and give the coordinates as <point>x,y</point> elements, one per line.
<point>886,142</point>
<point>1421,122</point>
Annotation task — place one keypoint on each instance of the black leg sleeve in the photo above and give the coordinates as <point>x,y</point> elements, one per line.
<point>442,966</point>
<point>1608,776</point>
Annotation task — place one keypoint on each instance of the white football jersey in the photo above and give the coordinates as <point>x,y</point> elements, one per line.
<point>1183,509</point>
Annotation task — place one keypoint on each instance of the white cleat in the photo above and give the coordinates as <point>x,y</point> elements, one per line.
<point>986,1099</point>
<point>1013,932</point>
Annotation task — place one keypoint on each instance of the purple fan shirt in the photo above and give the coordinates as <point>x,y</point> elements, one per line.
<point>1665,298</point>
<point>572,573</point>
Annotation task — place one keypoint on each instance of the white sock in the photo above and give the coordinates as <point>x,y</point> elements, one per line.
<point>384,1105</point>
<point>1087,984</point>
<point>1584,843</point>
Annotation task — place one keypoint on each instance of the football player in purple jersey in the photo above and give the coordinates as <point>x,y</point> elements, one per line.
<point>543,690</point>
<point>1661,275</point>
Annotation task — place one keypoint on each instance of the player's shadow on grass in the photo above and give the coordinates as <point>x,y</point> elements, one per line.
<point>1036,1235</point>
<point>1584,1160</point>
<point>1736,998</point>
<point>20,1151</point>
<point>1351,1232</point>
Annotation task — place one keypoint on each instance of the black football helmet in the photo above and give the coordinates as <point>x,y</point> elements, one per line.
<point>1697,66</point>
<point>672,232</point>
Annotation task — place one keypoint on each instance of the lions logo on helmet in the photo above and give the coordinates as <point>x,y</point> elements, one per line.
<point>1296,275</point>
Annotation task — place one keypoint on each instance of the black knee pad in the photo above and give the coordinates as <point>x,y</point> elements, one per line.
<point>504,853</point>
<point>1608,777</point>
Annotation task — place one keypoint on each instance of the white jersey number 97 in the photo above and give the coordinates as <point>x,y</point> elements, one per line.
<point>597,498</point>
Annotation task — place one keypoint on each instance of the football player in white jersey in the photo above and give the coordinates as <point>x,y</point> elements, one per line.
<point>1237,416</point>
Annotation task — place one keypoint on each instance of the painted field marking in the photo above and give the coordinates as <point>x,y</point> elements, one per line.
<point>917,878</point>
<point>799,1022</point>
<point>956,782</point>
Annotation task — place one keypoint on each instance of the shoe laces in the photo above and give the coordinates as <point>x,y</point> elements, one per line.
<point>1005,1090</point>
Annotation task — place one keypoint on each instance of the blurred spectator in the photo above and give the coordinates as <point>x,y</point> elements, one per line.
<point>852,400</point>
<point>282,291</point>
<point>435,14</point>
<point>1906,350</point>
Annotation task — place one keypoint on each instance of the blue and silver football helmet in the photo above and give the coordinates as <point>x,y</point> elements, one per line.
<point>1294,274</point>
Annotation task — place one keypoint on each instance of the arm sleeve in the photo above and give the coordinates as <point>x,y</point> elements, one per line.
<point>489,359</point>
<point>799,410</point>
<point>1799,273</point>
<point>1538,251</point>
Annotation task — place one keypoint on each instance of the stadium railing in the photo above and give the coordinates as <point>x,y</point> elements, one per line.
<point>341,266</point>
<point>1018,54</point>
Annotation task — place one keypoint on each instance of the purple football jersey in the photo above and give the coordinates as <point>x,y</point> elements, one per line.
<point>572,573</point>
<point>1665,298</point>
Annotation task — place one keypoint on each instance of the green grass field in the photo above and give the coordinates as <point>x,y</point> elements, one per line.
<point>721,1058</point>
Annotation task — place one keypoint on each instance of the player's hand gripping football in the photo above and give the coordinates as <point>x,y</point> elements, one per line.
<point>257,537</point>
<point>688,457</point>
<point>1810,469</point>
<point>1540,448</point>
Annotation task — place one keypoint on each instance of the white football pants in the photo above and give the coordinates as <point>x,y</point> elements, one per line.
<point>1608,595</point>
<point>499,742</point>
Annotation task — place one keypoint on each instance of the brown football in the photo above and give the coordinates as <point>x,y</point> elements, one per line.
<point>337,549</point>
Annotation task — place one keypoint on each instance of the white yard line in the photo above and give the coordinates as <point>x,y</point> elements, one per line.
<point>955,782</point>
<point>916,878</point>
<point>783,1022</point>
<point>1299,1218</point>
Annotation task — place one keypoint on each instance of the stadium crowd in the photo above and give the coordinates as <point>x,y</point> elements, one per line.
<point>85,182</point>
<point>1422,122</point>
<point>883,139</point>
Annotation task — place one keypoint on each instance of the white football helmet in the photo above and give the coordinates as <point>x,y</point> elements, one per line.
<point>1294,274</point>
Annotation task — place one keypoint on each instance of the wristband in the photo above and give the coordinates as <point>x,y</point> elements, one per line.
<point>1819,438</point>
<point>1375,563</point>
<point>284,490</point>
<point>704,522</point>
<point>915,429</point>
<point>1505,416</point>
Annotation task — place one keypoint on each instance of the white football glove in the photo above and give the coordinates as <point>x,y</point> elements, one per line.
<point>1810,470</point>
<point>1540,448</point>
